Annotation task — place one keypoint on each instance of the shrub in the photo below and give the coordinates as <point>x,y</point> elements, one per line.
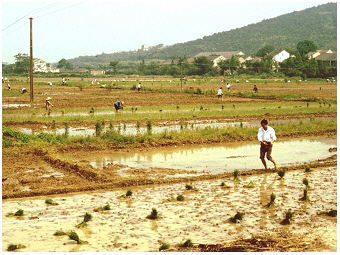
<point>180,198</point>
<point>164,246</point>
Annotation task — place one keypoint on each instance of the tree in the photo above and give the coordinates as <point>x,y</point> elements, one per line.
<point>113,65</point>
<point>306,46</point>
<point>203,65</point>
<point>64,64</point>
<point>264,51</point>
<point>22,63</point>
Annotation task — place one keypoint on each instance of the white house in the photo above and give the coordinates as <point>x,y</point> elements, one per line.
<point>279,55</point>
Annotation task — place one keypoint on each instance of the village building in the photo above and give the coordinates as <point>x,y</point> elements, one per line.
<point>324,55</point>
<point>43,67</point>
<point>97,72</point>
<point>279,55</point>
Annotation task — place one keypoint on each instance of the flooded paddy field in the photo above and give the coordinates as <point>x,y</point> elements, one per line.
<point>92,173</point>
<point>202,217</point>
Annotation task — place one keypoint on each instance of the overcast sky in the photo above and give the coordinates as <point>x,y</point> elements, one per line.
<point>71,29</point>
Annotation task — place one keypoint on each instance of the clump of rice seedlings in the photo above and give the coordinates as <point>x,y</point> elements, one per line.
<point>164,246</point>
<point>288,218</point>
<point>250,185</point>
<point>305,182</point>
<point>13,247</point>
<point>272,200</point>
<point>308,170</point>
<point>281,173</point>
<point>50,202</point>
<point>305,195</point>
<point>223,184</point>
<point>180,198</point>
<point>236,172</point>
<point>153,215</point>
<point>87,217</point>
<point>237,218</point>
<point>105,208</point>
<point>189,187</point>
<point>17,213</point>
<point>186,244</point>
<point>128,193</point>
<point>59,233</point>
<point>201,108</point>
<point>92,110</point>
<point>332,213</point>
<point>74,236</point>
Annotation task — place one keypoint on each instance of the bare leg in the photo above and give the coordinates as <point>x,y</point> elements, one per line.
<point>275,165</point>
<point>264,163</point>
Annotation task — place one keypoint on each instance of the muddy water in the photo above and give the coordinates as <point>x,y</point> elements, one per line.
<point>131,129</point>
<point>216,159</point>
<point>202,216</point>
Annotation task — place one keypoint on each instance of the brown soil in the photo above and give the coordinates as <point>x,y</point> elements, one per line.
<point>32,173</point>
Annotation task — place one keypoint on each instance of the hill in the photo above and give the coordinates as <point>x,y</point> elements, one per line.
<point>317,24</point>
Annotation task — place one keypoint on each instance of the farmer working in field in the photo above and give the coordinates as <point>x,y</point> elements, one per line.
<point>118,105</point>
<point>48,106</point>
<point>266,137</point>
<point>220,93</point>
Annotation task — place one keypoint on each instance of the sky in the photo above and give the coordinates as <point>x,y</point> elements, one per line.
<point>72,29</point>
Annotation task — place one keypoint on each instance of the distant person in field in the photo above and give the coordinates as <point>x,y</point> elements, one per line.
<point>23,90</point>
<point>48,106</point>
<point>228,86</point>
<point>266,136</point>
<point>118,105</point>
<point>9,86</point>
<point>50,83</point>
<point>220,93</point>
<point>139,86</point>
<point>255,89</point>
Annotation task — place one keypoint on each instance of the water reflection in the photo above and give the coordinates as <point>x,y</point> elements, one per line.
<point>220,158</point>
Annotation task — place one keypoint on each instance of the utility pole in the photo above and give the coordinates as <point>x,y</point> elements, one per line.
<point>31,61</point>
<point>181,74</point>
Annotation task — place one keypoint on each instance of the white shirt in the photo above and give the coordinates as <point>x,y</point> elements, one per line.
<point>219,92</point>
<point>266,135</point>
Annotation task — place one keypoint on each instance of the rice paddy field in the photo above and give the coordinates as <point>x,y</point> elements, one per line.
<point>177,169</point>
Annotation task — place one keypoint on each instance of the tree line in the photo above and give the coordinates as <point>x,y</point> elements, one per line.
<point>297,65</point>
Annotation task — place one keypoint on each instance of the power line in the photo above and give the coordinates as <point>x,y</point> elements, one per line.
<point>34,11</point>
<point>58,10</point>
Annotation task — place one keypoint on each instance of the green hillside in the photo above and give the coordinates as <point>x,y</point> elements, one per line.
<point>317,24</point>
